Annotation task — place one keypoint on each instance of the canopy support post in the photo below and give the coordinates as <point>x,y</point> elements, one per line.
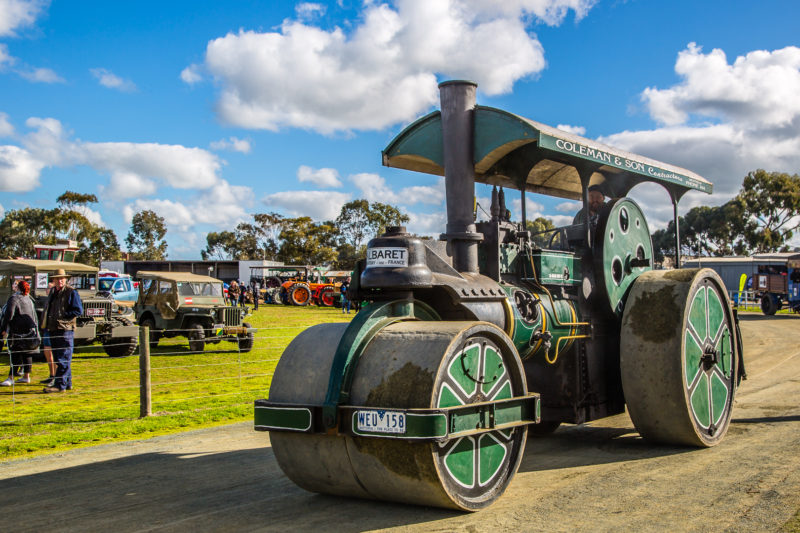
<point>677,232</point>
<point>675,195</point>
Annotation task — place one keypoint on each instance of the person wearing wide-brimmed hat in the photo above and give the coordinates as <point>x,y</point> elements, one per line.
<point>59,318</point>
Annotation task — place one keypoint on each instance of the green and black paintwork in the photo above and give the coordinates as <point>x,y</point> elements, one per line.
<point>461,329</point>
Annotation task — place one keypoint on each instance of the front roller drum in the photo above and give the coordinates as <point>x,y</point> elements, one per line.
<point>678,357</point>
<point>410,364</point>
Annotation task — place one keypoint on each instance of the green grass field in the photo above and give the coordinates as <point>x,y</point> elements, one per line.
<point>189,390</point>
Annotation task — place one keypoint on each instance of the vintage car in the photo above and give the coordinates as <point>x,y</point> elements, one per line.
<point>120,288</point>
<point>181,304</point>
<point>102,320</point>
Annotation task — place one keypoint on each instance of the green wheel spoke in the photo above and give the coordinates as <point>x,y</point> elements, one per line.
<point>716,313</point>
<point>464,369</point>
<point>698,378</point>
<point>724,348</point>
<point>700,400</point>
<point>460,461</point>
<point>694,352</point>
<point>719,389</point>
<point>492,453</point>
<point>450,397</point>
<point>698,315</point>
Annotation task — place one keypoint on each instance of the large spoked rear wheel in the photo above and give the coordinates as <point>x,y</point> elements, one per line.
<point>678,357</point>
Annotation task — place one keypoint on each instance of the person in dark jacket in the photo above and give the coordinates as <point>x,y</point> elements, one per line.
<point>19,319</point>
<point>59,318</point>
<point>233,293</point>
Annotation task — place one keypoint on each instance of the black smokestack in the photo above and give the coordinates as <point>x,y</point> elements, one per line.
<point>458,125</point>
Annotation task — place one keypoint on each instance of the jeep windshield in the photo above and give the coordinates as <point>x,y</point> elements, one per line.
<point>105,284</point>
<point>199,289</point>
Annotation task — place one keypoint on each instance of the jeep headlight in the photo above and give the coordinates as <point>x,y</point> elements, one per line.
<point>114,308</point>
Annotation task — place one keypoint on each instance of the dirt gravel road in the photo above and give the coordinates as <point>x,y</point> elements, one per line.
<point>594,477</point>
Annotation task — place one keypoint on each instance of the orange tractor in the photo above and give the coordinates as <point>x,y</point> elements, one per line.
<point>295,285</point>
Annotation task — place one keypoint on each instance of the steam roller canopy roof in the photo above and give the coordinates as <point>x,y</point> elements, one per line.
<point>515,152</point>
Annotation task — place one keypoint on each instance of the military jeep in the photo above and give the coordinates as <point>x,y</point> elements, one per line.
<point>180,304</point>
<point>102,319</point>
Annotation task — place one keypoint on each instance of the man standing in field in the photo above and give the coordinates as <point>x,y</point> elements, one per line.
<point>59,318</point>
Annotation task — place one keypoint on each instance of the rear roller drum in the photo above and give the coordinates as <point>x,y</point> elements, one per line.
<point>678,357</point>
<point>412,364</point>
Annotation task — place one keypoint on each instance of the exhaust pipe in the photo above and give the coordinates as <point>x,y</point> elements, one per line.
<point>458,125</point>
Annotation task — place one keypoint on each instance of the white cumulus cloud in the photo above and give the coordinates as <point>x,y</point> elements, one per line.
<point>142,165</point>
<point>431,224</point>
<point>15,14</point>
<point>222,206</point>
<point>374,188</point>
<point>129,185</point>
<point>6,129</point>
<point>319,205</point>
<point>191,74</point>
<point>384,70</point>
<point>722,120</point>
<point>577,130</point>
<point>309,10</point>
<point>568,207</point>
<point>233,144</point>
<point>108,79</point>
<point>40,75</point>
<point>5,58</point>
<point>92,215</point>
<point>19,170</point>
<point>321,177</point>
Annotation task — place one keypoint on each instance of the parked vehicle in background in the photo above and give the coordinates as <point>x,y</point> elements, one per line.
<point>295,285</point>
<point>102,318</point>
<point>121,289</point>
<point>180,304</point>
<point>779,288</point>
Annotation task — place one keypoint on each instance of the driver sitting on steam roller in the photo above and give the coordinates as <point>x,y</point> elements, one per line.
<point>596,201</point>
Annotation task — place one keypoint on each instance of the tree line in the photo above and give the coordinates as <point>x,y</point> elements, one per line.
<point>268,236</point>
<point>761,218</point>
<point>300,240</point>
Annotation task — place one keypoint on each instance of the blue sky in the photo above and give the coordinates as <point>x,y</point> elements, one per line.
<point>207,112</point>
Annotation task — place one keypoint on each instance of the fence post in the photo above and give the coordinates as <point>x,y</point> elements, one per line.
<point>145,401</point>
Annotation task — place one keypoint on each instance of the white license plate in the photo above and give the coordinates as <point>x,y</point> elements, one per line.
<point>95,311</point>
<point>380,421</point>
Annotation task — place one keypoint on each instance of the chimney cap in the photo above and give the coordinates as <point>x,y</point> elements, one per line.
<point>457,82</point>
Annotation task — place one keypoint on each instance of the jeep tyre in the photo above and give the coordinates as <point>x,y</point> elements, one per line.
<point>197,338</point>
<point>245,339</point>
<point>154,334</point>
<point>120,346</point>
